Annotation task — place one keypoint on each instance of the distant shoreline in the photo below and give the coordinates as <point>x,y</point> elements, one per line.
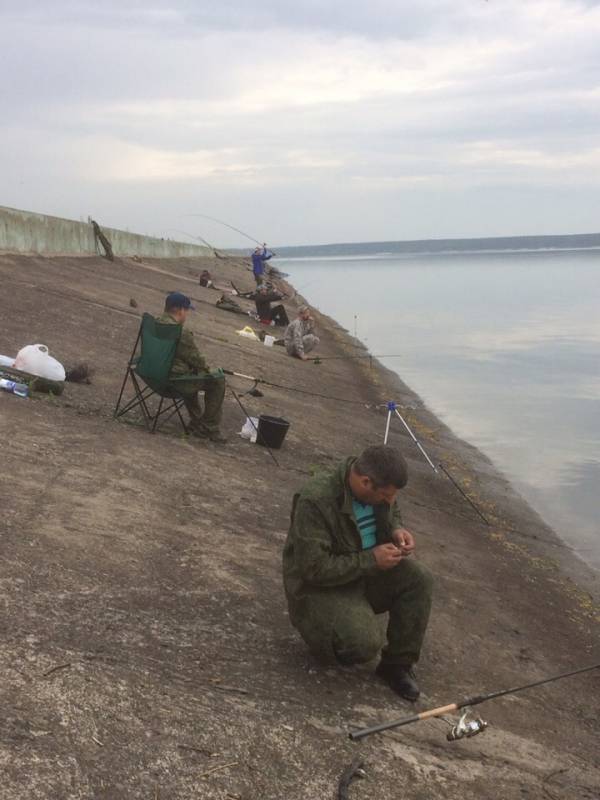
<point>415,254</point>
<point>574,241</point>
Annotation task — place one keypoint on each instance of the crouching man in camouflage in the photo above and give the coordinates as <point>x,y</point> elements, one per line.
<point>299,336</point>
<point>348,558</point>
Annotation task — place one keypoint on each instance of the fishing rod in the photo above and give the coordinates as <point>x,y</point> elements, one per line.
<point>319,359</point>
<point>235,259</point>
<point>205,242</point>
<point>465,728</point>
<point>227,225</point>
<point>197,238</point>
<point>295,389</point>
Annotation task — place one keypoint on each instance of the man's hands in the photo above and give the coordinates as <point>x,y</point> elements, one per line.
<point>404,541</point>
<point>389,555</point>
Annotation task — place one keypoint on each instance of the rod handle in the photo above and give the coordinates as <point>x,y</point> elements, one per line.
<point>386,726</point>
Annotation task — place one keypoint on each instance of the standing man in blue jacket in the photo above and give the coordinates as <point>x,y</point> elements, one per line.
<point>259,256</point>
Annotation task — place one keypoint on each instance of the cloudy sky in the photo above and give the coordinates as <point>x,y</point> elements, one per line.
<point>304,121</point>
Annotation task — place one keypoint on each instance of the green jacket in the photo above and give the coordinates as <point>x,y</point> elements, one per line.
<point>323,546</point>
<point>188,359</point>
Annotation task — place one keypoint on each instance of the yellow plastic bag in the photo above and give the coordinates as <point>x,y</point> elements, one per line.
<point>248,333</point>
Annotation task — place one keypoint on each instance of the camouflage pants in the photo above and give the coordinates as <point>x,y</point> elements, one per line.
<point>309,341</point>
<point>214,392</point>
<point>340,623</point>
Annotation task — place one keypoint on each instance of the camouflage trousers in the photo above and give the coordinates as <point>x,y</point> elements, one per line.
<point>214,392</point>
<point>309,342</point>
<point>340,623</point>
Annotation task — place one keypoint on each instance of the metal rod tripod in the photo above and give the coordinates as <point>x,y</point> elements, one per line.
<point>391,409</point>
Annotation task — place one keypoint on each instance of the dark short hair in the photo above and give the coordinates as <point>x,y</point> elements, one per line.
<point>383,465</point>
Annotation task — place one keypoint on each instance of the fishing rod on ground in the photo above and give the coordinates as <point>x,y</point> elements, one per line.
<point>465,728</point>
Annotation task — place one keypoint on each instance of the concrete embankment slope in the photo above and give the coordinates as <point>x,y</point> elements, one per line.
<point>146,648</point>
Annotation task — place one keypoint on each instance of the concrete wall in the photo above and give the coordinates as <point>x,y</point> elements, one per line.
<point>27,232</point>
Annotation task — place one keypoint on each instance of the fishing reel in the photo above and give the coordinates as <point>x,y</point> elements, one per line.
<point>466,728</point>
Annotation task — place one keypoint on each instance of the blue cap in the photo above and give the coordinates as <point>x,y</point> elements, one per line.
<point>178,300</point>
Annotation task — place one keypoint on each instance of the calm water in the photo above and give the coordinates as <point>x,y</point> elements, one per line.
<point>505,348</point>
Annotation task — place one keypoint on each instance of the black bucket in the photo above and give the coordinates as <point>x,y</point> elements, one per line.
<point>271,431</point>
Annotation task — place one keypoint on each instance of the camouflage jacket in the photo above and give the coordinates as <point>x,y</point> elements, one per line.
<point>294,333</point>
<point>323,546</point>
<point>188,359</point>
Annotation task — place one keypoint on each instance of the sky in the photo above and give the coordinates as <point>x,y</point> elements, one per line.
<point>304,122</point>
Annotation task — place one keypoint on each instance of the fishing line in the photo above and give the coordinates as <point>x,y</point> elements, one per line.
<point>318,359</point>
<point>391,406</point>
<point>464,494</point>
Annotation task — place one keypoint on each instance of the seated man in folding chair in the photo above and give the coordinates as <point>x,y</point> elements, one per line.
<point>188,359</point>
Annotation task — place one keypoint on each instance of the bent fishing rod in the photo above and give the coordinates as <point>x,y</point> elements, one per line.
<point>217,254</point>
<point>204,242</point>
<point>464,728</point>
<point>196,238</point>
<point>227,225</point>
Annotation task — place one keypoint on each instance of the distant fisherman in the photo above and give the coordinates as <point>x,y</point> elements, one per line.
<point>348,558</point>
<point>299,336</point>
<point>263,297</point>
<point>259,256</point>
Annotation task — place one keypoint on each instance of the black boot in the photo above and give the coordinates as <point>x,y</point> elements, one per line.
<point>399,678</point>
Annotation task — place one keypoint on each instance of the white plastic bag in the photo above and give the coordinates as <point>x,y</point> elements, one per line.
<point>249,431</point>
<point>7,361</point>
<point>35,359</point>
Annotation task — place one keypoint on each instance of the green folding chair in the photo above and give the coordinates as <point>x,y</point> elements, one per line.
<point>148,370</point>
